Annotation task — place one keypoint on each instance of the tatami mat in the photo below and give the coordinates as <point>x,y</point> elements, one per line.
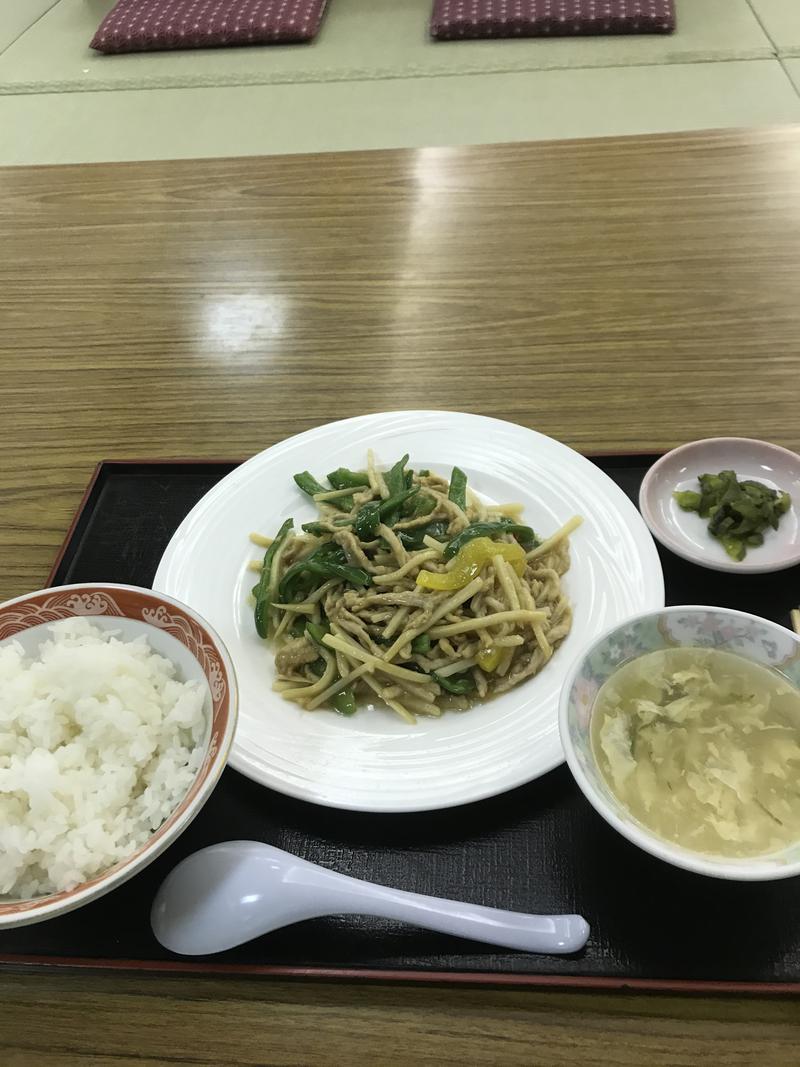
<point>374,79</point>
<point>793,70</point>
<point>360,40</point>
<point>254,120</point>
<point>781,20</point>
<point>17,16</point>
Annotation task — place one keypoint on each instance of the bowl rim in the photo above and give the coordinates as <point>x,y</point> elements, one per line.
<point>676,543</point>
<point>125,869</point>
<point>744,870</point>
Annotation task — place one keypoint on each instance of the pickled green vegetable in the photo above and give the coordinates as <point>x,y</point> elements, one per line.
<point>738,512</point>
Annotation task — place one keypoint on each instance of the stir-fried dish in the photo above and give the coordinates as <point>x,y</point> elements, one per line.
<point>409,590</point>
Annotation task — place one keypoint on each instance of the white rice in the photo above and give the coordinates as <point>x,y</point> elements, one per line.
<point>99,743</point>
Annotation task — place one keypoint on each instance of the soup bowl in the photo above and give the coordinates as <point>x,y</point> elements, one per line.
<point>759,640</point>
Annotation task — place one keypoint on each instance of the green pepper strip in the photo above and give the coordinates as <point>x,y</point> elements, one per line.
<point>389,508</point>
<point>369,517</point>
<point>415,538</point>
<point>325,562</point>
<point>345,702</point>
<point>316,632</point>
<point>424,504</point>
<point>346,479</point>
<point>367,521</point>
<point>309,484</point>
<point>458,488</point>
<point>421,643</point>
<point>456,683</point>
<point>523,534</point>
<point>395,479</point>
<point>392,504</point>
<point>386,510</point>
<point>262,589</point>
<point>315,528</point>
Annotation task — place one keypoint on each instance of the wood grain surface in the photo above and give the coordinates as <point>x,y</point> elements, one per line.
<point>144,1021</point>
<point>620,294</point>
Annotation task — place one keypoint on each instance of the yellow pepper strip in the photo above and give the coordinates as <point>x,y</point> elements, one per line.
<point>468,563</point>
<point>488,658</point>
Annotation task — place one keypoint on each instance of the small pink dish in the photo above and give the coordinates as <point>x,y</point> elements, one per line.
<point>180,635</point>
<point>686,534</point>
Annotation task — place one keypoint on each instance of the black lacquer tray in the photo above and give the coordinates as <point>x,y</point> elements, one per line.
<point>538,848</point>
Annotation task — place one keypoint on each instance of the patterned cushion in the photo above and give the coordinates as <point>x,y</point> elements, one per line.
<point>150,25</point>
<point>459,19</point>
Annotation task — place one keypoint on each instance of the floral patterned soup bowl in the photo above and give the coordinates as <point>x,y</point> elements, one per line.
<point>174,631</point>
<point>754,638</point>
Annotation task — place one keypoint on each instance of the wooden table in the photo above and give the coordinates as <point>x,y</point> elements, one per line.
<point>619,294</point>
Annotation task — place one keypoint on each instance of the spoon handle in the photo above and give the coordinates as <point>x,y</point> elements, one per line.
<point>552,934</point>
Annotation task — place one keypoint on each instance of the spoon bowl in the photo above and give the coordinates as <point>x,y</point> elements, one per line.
<point>227,894</point>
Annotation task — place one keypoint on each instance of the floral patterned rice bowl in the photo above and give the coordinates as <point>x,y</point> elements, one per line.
<point>746,635</point>
<point>173,631</point>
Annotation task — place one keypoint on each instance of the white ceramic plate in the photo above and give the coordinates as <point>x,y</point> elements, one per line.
<point>686,534</point>
<point>373,761</point>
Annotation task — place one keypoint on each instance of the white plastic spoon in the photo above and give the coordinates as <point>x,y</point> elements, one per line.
<point>227,894</point>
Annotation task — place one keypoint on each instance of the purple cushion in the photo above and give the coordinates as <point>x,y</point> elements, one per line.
<point>460,19</point>
<point>151,25</point>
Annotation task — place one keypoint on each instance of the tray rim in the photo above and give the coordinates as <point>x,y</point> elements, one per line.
<point>97,473</point>
<point>586,983</point>
<point>387,976</point>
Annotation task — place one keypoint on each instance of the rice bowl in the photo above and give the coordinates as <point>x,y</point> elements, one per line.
<point>117,710</point>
